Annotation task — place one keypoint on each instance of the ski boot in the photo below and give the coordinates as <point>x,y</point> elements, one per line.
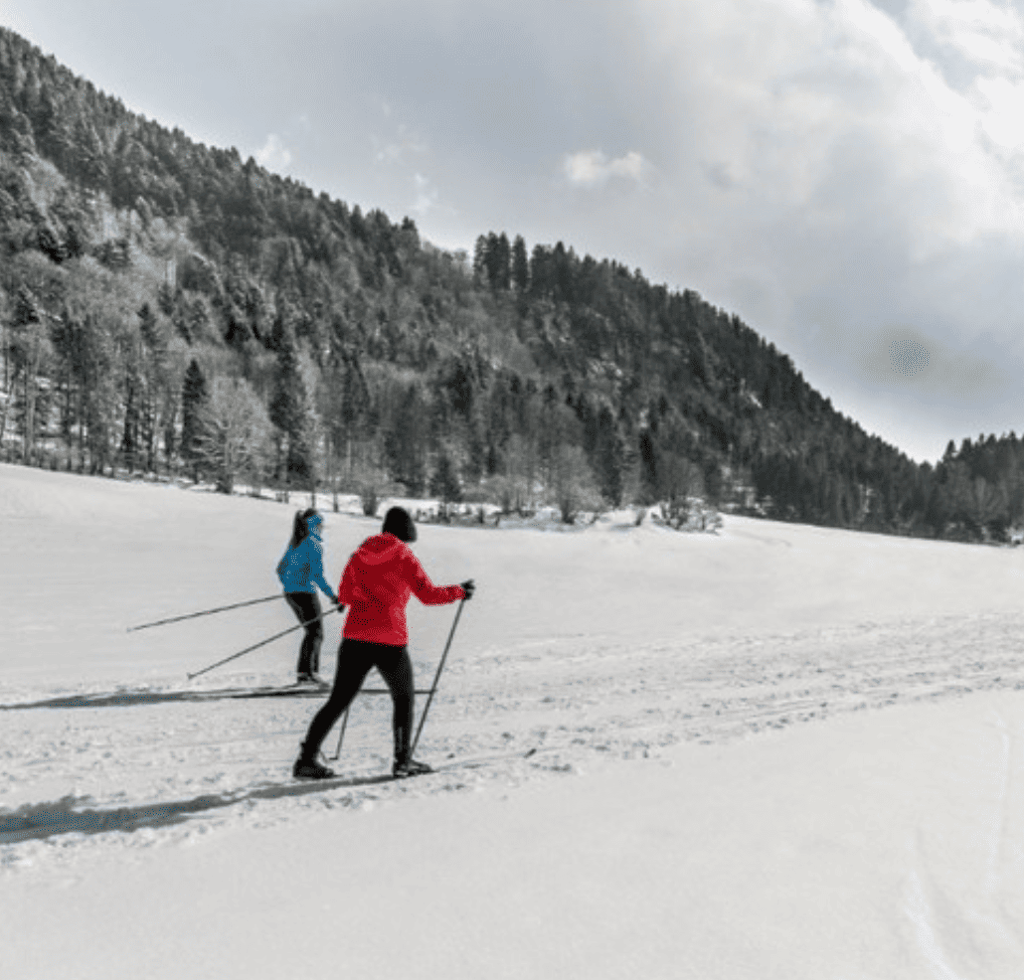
<point>404,768</point>
<point>405,765</point>
<point>307,767</point>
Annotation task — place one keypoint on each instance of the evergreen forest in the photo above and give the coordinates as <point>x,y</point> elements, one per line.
<point>170,309</point>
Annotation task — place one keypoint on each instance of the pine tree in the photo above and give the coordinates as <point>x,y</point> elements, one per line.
<point>405,438</point>
<point>498,261</point>
<point>194,399</point>
<point>520,265</point>
<point>648,469</point>
<point>445,483</point>
<point>291,410</point>
<point>480,271</point>
<point>609,457</point>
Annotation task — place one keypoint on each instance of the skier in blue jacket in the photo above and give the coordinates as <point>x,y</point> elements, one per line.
<point>300,571</point>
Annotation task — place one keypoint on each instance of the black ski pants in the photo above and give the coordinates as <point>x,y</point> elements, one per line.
<point>306,606</point>
<point>355,659</point>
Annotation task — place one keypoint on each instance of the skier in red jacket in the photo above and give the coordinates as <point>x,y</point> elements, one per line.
<point>376,585</point>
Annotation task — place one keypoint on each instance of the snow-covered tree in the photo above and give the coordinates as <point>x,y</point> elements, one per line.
<point>573,487</point>
<point>235,434</point>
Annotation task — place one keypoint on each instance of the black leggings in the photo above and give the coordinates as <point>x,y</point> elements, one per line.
<point>306,606</point>
<point>355,658</point>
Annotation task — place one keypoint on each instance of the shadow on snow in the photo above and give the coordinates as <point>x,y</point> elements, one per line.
<point>123,699</point>
<point>38,821</point>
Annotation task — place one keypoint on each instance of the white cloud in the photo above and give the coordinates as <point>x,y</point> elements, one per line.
<point>426,196</point>
<point>816,155</point>
<point>986,33</point>
<point>828,116</point>
<point>985,42</point>
<point>274,155</point>
<point>1003,113</point>
<point>397,150</point>
<point>590,168</point>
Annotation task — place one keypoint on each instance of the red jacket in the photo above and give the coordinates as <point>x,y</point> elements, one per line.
<point>376,585</point>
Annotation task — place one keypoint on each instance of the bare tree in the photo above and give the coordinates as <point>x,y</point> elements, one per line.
<point>681,484</point>
<point>31,347</point>
<point>367,477</point>
<point>522,469</point>
<point>573,487</point>
<point>235,434</point>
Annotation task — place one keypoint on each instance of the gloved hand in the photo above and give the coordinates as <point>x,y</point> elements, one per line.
<point>469,587</point>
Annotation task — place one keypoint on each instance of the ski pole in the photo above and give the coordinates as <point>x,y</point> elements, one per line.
<point>430,693</point>
<point>437,677</point>
<point>263,643</point>
<point>341,735</point>
<point>205,612</point>
<point>344,718</point>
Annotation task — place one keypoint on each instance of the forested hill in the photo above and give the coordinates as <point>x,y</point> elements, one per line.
<point>169,307</point>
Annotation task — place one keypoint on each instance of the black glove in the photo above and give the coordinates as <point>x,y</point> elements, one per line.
<point>469,587</point>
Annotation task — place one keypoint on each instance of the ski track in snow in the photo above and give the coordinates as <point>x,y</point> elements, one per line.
<point>582,653</point>
<point>81,781</point>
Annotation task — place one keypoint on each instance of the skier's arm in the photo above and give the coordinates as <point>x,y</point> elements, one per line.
<point>316,571</point>
<point>430,594</point>
<point>349,590</point>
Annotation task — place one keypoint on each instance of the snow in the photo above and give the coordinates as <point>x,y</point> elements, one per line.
<point>778,751</point>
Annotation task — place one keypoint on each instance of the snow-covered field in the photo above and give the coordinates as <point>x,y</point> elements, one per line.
<point>780,751</point>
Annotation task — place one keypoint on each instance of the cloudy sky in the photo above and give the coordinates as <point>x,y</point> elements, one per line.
<point>845,175</point>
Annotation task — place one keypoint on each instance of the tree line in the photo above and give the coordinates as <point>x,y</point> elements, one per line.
<point>167,307</point>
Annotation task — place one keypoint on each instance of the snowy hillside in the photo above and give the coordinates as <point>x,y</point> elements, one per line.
<point>780,751</point>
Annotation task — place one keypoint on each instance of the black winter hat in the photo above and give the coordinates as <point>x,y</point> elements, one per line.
<point>398,522</point>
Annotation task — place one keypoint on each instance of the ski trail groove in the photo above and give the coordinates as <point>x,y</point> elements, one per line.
<point>579,701</point>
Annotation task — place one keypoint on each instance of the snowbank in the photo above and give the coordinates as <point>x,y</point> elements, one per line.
<point>776,752</point>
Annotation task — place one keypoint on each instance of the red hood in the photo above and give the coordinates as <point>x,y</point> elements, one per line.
<point>379,549</point>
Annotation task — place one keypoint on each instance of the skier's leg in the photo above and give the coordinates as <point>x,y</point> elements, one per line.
<point>306,607</point>
<point>354,662</point>
<point>316,643</point>
<point>396,668</point>
<point>310,660</point>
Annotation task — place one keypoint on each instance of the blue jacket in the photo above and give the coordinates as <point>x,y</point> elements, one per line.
<point>302,567</point>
